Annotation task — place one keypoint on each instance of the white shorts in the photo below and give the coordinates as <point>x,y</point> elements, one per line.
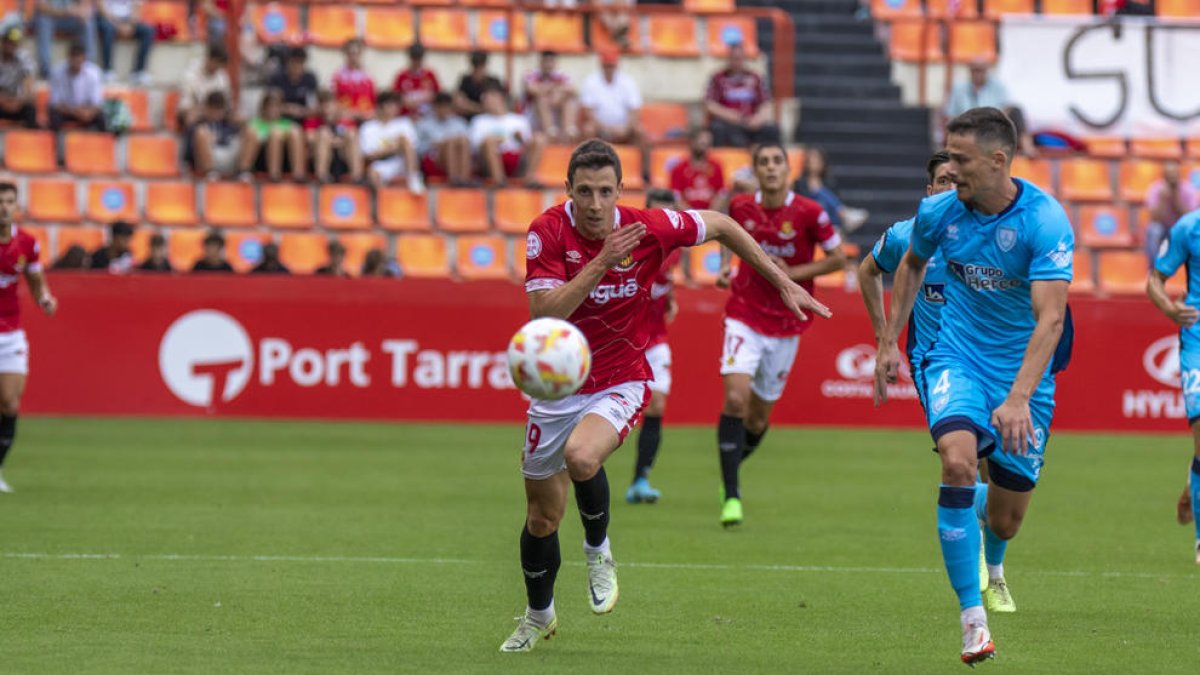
<point>659,357</point>
<point>767,359</point>
<point>388,169</point>
<point>551,423</point>
<point>14,353</point>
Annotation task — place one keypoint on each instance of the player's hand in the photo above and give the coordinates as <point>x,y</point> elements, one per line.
<point>49,304</point>
<point>724,277</point>
<point>887,369</point>
<point>672,309</point>
<point>620,243</point>
<point>797,299</point>
<point>1183,314</point>
<point>1015,424</point>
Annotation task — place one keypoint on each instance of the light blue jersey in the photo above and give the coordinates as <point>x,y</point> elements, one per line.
<point>1183,248</point>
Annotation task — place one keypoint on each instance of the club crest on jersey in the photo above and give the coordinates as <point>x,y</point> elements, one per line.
<point>627,263</point>
<point>533,246</point>
<point>1006,238</point>
<point>748,225</point>
<point>787,230</point>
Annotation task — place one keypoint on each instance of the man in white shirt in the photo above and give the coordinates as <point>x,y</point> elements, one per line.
<point>503,140</point>
<point>77,92</point>
<point>612,101</point>
<point>389,145</point>
<point>202,78</point>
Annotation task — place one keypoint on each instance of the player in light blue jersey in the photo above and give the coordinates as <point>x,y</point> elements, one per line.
<point>1182,247</point>
<point>1009,248</point>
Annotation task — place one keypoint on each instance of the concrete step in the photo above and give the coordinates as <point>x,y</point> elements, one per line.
<point>819,85</point>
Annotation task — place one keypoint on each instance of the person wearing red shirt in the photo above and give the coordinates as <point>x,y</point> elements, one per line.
<point>417,85</point>
<point>761,333</point>
<point>593,263</point>
<point>352,86</point>
<point>739,105</point>
<point>698,181</point>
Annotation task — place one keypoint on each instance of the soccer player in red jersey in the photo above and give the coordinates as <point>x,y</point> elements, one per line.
<point>593,263</point>
<point>761,333</point>
<point>19,255</point>
<point>698,181</point>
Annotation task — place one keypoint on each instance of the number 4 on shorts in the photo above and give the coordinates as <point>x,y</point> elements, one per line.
<point>943,383</point>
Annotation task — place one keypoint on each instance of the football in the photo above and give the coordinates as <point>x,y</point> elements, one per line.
<point>549,359</point>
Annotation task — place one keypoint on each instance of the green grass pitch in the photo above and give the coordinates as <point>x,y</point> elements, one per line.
<point>252,547</point>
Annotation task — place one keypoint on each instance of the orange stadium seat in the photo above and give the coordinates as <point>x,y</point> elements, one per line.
<point>171,203</point>
<point>431,3</point>
<point>423,255</point>
<point>905,43</point>
<point>184,248</point>
<point>663,121</point>
<point>461,210</point>
<point>482,257</point>
<point>90,238</point>
<point>229,205</point>
<point>1104,226</point>
<point>389,27</point>
<point>1112,147</point>
<point>332,25</point>
<point>674,35</point>
<point>52,200</point>
<point>731,160</point>
<point>401,210</point>
<point>1084,280</point>
<point>727,30</point>
<point>994,9</point>
<point>1192,148</point>
<point>139,244</point>
<point>559,32</point>
<point>358,245</point>
<point>709,6</point>
<point>796,162</point>
<point>243,250</point>
<point>1123,271</point>
<point>1036,171</point>
<point>41,101</point>
<point>486,3</point>
<point>90,154</point>
<point>705,263</point>
<point>112,200</point>
<point>152,156</point>
<point>888,10</point>
<point>514,210</point>
<point>602,41</point>
<point>444,29</point>
<point>631,166</point>
<point>139,106</point>
<point>1136,177</point>
<point>973,40</point>
<point>173,14</point>
<point>303,252</point>
<point>171,109</point>
<point>344,207</point>
<point>287,205</point>
<point>494,32</point>
<point>277,22</point>
<point>1066,6</point>
<point>951,9</point>
<point>1156,148</point>
<point>42,235</point>
<point>662,160</point>
<point>1084,180</point>
<point>634,199</point>
<point>518,259</point>
<point>29,151</point>
<point>553,167</point>
<point>1181,9</point>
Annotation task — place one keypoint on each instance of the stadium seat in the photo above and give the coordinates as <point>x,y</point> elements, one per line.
<point>139,106</point>
<point>29,151</point>
<point>444,29</point>
<point>1136,177</point>
<point>90,238</point>
<point>332,25</point>
<point>634,199</point>
<point>303,252</point>
<point>286,205</point>
<point>484,3</point>
<point>401,210</point>
<point>731,160</point>
<point>173,14</point>
<point>389,27</point>
<point>243,250</point>
<point>1122,271</point>
<point>171,203</point>
<point>709,6</point>
<point>1084,180</point>
<point>514,210</point>
<point>52,200</point>
<point>558,32</point>
<point>1156,148</point>
<point>90,153</point>
<point>1182,9</point>
<point>889,10</point>
<point>482,257</point>
<point>461,210</point>
<point>1110,147</point>
<point>662,160</point>
<point>277,22</point>
<point>631,166</point>
<point>422,255</point>
<point>602,41</point>
<point>112,200</point>
<point>344,207</point>
<point>796,162</point>
<point>42,235</point>
<point>705,263</point>
<point>733,29</point>
<point>1036,171</point>
<point>1084,276</point>
<point>433,3</point>
<point>553,167</point>
<point>1066,6</point>
<point>664,121</point>
<point>184,248</point>
<point>674,35</point>
<point>1192,148</point>
<point>229,205</point>
<point>152,156</point>
<point>41,101</point>
<point>518,259</point>
<point>171,110</point>
<point>1104,226</point>
<point>994,9</point>
<point>358,245</point>
<point>972,41</point>
<point>951,9</point>
<point>493,31</point>
<point>905,43</point>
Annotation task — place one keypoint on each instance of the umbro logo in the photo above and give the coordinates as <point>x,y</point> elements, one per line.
<point>534,575</point>
<point>592,516</point>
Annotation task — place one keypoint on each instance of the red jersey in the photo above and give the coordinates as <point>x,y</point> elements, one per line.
<point>791,232</point>
<point>660,296</point>
<point>416,89</point>
<point>21,254</point>
<point>743,92</point>
<point>614,317</point>
<point>354,91</point>
<point>697,186</point>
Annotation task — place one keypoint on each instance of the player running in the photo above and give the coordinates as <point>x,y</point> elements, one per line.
<point>662,312</point>
<point>593,263</point>
<point>1182,247</point>
<point>19,255</point>
<point>761,333</point>
<point>989,387</point>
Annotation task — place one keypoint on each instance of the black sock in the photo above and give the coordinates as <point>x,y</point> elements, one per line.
<point>591,496</point>
<point>731,441</point>
<point>648,440</point>
<point>752,441</point>
<point>540,559</point>
<point>8,432</point>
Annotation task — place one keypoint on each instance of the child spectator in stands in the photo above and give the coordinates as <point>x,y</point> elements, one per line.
<point>334,140</point>
<point>443,143</point>
<point>74,258</point>
<point>214,144</point>
<point>698,180</point>
<point>72,18</point>
<point>298,85</point>
<point>337,260</point>
<point>202,78</point>
<point>738,104</point>
<point>16,80</point>
<point>468,99</point>
<point>504,141</point>
<point>1168,199</point>
<point>275,139</point>
<point>389,145</point>
<point>551,101</point>
<point>214,255</point>
<point>116,257</point>
<point>376,264</point>
<point>814,183</point>
<point>615,18</point>
<point>77,92</point>
<point>611,101</point>
<point>270,261</point>
<point>157,260</point>
<point>119,19</point>
<point>416,85</point>
<point>353,87</point>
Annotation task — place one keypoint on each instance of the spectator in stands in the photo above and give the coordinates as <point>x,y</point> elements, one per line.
<point>214,255</point>
<point>202,78</point>
<point>443,143</point>
<point>738,104</point>
<point>337,260</point>
<point>416,85</point>
<point>116,257</point>
<point>376,264</point>
<point>16,80</point>
<point>615,18</point>
<point>77,92</point>
<point>814,183</point>
<point>119,19</point>
<point>984,90</point>
<point>275,139</point>
<point>270,261</point>
<point>157,260</point>
<point>389,145</point>
<point>214,144</point>
<point>334,140</point>
<point>468,99</point>
<point>1168,199</point>
<point>698,180</point>
<point>298,85</point>
<point>551,101</point>
<point>214,13</point>
<point>353,87</point>
<point>504,141</point>
<point>74,258</point>
<point>63,17</point>
<point>611,101</point>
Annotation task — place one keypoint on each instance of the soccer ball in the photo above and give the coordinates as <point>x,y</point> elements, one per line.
<point>549,359</point>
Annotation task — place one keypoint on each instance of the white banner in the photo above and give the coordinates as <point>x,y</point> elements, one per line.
<point>1136,77</point>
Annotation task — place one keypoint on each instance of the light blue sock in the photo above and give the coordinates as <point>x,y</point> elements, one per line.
<point>993,547</point>
<point>981,501</point>
<point>958,531</point>
<point>1194,486</point>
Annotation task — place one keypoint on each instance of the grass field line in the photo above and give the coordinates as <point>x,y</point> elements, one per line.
<point>848,569</point>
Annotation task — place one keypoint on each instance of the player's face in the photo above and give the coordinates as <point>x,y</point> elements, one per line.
<point>8,206</point>
<point>941,180</point>
<point>977,170</point>
<point>594,194</point>
<point>771,169</point>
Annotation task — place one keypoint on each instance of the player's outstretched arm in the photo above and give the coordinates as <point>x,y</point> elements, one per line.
<point>724,229</point>
<point>909,274</point>
<point>41,292</point>
<point>1176,310</point>
<point>562,302</point>
<point>834,261</point>
<point>870,284</point>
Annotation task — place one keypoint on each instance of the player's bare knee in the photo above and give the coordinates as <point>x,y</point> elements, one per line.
<point>736,403</point>
<point>541,525</point>
<point>959,471</point>
<point>582,464</point>
<point>9,406</point>
<point>1006,526</point>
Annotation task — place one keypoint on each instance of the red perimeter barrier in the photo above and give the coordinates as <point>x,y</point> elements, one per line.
<point>433,350</point>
